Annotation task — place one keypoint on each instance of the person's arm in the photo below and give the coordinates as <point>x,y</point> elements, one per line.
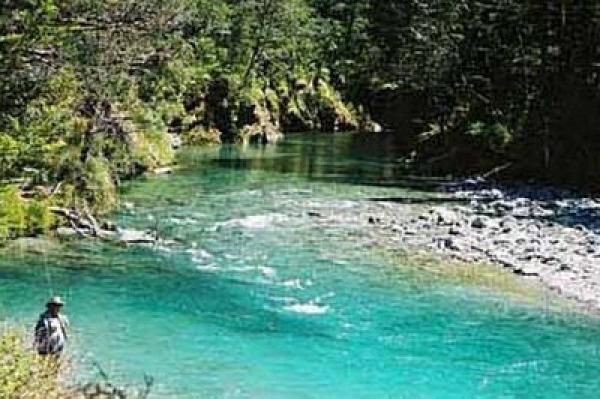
<point>41,331</point>
<point>64,324</point>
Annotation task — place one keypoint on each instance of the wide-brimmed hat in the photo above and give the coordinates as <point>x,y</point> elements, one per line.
<point>56,301</point>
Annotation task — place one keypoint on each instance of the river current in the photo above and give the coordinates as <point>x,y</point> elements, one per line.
<point>247,299</point>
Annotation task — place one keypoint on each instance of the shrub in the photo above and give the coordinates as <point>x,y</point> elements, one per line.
<point>99,187</point>
<point>10,150</point>
<point>19,217</point>
<point>24,374</point>
<point>201,136</point>
<point>151,143</point>
<point>38,218</point>
<point>495,137</point>
<point>12,213</point>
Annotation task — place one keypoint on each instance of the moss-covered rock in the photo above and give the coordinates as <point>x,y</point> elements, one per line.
<point>334,114</point>
<point>258,115</point>
<point>260,134</point>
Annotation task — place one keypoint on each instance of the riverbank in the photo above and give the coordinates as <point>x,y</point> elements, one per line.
<point>27,375</point>
<point>543,235</point>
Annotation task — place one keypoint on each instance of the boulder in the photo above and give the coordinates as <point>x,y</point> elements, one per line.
<point>445,217</point>
<point>451,244</point>
<point>107,225</point>
<point>503,205</point>
<point>166,170</point>
<point>176,141</point>
<point>260,134</point>
<point>455,231</point>
<point>371,126</point>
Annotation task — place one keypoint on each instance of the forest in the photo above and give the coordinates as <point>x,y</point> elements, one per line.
<point>93,93</point>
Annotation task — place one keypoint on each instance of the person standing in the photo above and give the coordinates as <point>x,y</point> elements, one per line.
<point>51,329</point>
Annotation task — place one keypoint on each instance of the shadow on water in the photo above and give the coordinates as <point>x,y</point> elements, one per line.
<point>358,159</point>
<point>578,217</point>
<point>427,201</point>
<point>375,160</point>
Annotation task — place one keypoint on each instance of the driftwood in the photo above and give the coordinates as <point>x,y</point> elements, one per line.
<point>497,169</point>
<point>107,389</point>
<point>84,224</point>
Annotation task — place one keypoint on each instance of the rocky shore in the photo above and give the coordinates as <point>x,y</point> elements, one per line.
<point>549,235</point>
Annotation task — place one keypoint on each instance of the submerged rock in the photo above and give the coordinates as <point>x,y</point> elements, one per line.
<point>480,222</point>
<point>445,217</point>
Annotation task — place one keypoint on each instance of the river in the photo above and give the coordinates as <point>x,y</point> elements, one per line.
<point>250,300</point>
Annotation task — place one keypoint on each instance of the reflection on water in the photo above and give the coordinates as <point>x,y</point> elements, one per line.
<point>356,159</point>
<point>252,300</point>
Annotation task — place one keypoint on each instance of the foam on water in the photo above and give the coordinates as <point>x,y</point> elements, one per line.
<point>199,253</point>
<point>295,283</point>
<point>255,221</point>
<point>182,221</point>
<point>308,308</point>
<point>209,268</point>
<point>267,271</point>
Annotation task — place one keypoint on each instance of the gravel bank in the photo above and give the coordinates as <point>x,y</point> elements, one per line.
<point>548,235</point>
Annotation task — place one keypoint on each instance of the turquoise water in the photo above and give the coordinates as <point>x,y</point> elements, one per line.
<point>253,300</point>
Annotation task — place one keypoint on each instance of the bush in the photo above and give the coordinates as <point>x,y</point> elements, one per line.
<point>201,136</point>
<point>10,150</point>
<point>24,374</point>
<point>99,187</point>
<point>151,144</point>
<point>38,218</point>
<point>12,213</point>
<point>21,217</point>
<point>495,137</point>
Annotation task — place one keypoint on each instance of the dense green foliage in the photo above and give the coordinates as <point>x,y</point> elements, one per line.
<point>94,92</point>
<point>491,82</point>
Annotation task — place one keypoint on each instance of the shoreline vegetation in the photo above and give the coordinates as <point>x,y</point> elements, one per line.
<point>98,93</point>
<point>24,374</point>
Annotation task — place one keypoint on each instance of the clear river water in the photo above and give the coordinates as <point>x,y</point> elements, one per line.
<point>250,300</point>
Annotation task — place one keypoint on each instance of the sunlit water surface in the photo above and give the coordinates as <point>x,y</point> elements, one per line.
<point>253,301</point>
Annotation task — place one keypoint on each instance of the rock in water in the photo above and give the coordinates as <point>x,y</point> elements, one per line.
<point>479,223</point>
<point>445,217</point>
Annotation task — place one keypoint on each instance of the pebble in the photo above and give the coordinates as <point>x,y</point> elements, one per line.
<point>534,233</point>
